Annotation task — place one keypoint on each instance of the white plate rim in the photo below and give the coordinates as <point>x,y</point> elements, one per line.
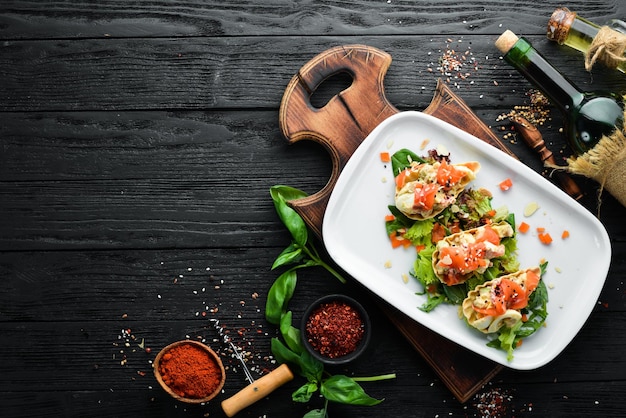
<point>344,254</point>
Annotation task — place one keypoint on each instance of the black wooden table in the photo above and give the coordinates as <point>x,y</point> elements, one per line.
<point>138,143</point>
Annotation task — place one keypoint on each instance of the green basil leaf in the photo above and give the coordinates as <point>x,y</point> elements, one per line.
<point>279,296</point>
<point>287,192</point>
<point>294,223</point>
<point>290,255</point>
<point>343,389</point>
<point>311,368</point>
<point>282,354</point>
<point>316,413</point>
<point>290,334</point>
<point>303,364</point>
<point>304,392</point>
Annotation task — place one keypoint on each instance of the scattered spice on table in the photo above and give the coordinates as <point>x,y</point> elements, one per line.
<point>536,111</point>
<point>335,329</point>
<point>493,403</point>
<point>455,64</point>
<point>246,331</point>
<point>190,371</point>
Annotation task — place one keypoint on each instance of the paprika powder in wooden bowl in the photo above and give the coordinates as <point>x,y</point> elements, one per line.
<point>189,371</point>
<point>335,329</point>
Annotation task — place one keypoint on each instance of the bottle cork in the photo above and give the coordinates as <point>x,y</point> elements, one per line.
<point>506,41</point>
<point>559,24</point>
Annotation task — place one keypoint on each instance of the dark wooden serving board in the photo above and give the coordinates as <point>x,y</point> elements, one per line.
<point>340,126</point>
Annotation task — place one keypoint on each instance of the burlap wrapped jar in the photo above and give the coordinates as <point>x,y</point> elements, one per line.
<point>605,163</point>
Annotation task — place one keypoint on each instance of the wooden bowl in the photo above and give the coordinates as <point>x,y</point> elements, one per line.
<point>159,361</point>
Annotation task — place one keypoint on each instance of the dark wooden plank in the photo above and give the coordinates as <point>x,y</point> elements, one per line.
<point>73,365</point>
<point>176,284</point>
<point>251,72</point>
<point>162,180</point>
<point>75,19</point>
<point>562,401</point>
<point>138,140</point>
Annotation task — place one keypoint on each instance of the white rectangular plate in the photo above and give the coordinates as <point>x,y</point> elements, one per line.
<point>355,236</point>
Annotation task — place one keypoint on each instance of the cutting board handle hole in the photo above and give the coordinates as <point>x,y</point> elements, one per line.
<point>329,88</point>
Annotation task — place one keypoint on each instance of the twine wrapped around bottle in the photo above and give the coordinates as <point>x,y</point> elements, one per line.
<point>607,47</point>
<point>605,163</point>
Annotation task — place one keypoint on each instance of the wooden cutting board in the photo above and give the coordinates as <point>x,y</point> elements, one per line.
<point>340,126</point>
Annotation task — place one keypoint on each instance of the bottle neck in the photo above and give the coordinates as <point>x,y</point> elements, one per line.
<point>536,69</point>
<point>581,34</point>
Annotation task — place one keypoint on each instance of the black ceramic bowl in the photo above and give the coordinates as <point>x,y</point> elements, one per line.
<point>335,329</point>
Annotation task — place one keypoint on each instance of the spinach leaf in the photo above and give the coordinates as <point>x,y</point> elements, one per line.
<point>455,294</point>
<point>402,159</point>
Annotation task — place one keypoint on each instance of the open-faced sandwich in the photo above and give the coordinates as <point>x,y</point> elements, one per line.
<point>424,190</point>
<point>458,256</point>
<point>497,303</point>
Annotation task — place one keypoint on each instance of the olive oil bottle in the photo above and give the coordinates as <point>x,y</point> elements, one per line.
<point>589,115</point>
<point>567,28</point>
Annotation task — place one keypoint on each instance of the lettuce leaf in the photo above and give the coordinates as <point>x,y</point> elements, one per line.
<point>420,232</point>
<point>423,268</point>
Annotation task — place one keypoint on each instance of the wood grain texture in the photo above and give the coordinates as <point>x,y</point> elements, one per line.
<point>223,73</point>
<point>139,139</point>
<point>75,19</point>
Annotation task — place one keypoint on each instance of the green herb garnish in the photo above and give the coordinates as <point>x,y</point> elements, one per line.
<point>289,348</point>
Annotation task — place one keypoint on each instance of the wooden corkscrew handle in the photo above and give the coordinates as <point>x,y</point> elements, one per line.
<point>533,138</point>
<point>257,390</point>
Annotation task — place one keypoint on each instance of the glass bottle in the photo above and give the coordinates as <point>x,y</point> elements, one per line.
<point>567,28</point>
<point>589,115</point>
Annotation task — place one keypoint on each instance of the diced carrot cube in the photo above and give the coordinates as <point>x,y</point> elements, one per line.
<point>506,184</point>
<point>545,238</point>
<point>385,157</point>
<point>523,227</point>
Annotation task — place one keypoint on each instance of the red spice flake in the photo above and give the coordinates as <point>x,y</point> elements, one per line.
<point>190,371</point>
<point>493,403</point>
<point>455,66</point>
<point>335,329</point>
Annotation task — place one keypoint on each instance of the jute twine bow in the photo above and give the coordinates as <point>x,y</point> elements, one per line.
<point>608,47</point>
<point>606,164</point>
